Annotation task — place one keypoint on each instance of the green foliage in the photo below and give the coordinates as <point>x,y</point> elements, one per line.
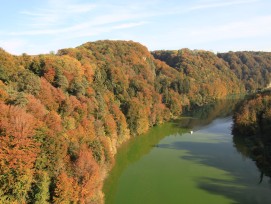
<point>74,109</point>
<point>253,68</point>
<point>61,81</point>
<point>97,150</point>
<point>3,74</point>
<point>137,117</point>
<point>77,88</point>
<point>203,77</point>
<point>39,193</point>
<point>28,82</point>
<point>16,98</point>
<point>253,116</point>
<point>37,66</point>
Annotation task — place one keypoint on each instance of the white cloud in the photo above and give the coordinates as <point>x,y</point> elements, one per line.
<point>98,18</point>
<point>217,4</point>
<point>130,25</point>
<point>51,31</point>
<point>97,30</point>
<point>56,13</point>
<point>254,33</point>
<point>13,46</point>
<point>256,27</point>
<point>68,6</point>
<point>61,23</point>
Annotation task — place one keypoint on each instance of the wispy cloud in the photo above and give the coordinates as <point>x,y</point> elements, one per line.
<point>97,30</point>
<point>256,28</point>
<point>61,23</point>
<point>56,13</point>
<point>217,4</point>
<point>46,31</point>
<point>94,18</point>
<point>130,25</point>
<point>71,7</point>
<point>62,18</point>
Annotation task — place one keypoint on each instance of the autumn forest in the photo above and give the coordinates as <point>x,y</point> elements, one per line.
<point>64,115</point>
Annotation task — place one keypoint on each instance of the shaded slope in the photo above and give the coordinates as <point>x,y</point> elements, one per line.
<point>63,116</point>
<point>208,77</point>
<point>253,68</point>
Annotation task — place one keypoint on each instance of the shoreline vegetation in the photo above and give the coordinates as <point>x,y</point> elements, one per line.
<point>252,117</point>
<point>63,116</point>
<point>252,128</point>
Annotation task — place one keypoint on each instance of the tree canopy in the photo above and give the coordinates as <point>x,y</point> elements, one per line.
<point>63,116</point>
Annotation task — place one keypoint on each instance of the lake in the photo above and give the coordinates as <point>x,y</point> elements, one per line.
<point>168,165</point>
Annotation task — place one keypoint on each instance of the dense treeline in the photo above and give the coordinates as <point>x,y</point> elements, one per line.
<point>206,77</point>
<point>252,128</point>
<point>253,116</point>
<point>253,68</point>
<point>63,116</point>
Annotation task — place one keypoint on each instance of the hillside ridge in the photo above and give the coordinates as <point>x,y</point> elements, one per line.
<point>64,115</point>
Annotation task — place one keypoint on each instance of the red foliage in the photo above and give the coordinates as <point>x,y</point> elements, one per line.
<point>50,96</point>
<point>18,149</point>
<point>53,121</point>
<point>35,107</point>
<point>49,75</point>
<point>66,189</point>
<point>88,174</point>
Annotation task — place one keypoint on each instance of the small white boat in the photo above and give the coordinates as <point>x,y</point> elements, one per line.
<point>191,132</point>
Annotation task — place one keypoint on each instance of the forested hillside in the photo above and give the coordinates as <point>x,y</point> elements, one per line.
<point>253,68</point>
<point>252,117</point>
<point>252,128</point>
<point>207,77</point>
<point>62,116</point>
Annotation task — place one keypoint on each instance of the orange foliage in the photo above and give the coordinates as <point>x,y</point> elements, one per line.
<point>66,189</point>
<point>49,74</point>
<point>91,99</point>
<point>53,121</point>
<point>35,107</point>
<point>110,125</point>
<point>88,125</point>
<point>88,174</point>
<point>18,151</point>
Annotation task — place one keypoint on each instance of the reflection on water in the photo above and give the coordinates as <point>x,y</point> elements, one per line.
<point>169,165</point>
<point>213,148</point>
<point>134,150</point>
<point>259,151</point>
<point>206,114</point>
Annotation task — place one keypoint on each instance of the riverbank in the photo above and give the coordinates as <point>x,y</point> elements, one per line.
<point>208,113</point>
<point>169,165</point>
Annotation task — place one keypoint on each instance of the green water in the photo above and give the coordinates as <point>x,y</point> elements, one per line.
<point>169,165</point>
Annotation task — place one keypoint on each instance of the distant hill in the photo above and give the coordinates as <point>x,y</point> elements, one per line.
<point>64,115</point>
<point>252,118</point>
<point>208,76</point>
<point>253,68</point>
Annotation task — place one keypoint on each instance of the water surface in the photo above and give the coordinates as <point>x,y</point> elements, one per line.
<point>170,165</point>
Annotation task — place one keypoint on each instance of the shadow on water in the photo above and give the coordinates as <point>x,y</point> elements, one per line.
<point>258,151</point>
<point>209,154</point>
<point>245,188</point>
<point>134,150</point>
<point>251,171</point>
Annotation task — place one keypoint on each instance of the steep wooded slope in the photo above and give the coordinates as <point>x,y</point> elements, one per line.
<point>207,76</point>
<point>253,68</point>
<point>63,116</point>
<point>253,116</point>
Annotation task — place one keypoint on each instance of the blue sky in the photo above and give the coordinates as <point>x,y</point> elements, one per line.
<point>41,26</point>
